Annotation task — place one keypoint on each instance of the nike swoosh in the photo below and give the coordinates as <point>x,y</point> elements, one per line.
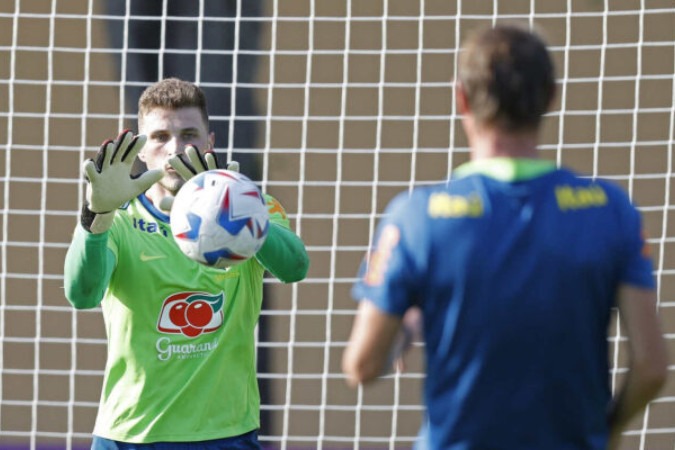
<point>146,258</point>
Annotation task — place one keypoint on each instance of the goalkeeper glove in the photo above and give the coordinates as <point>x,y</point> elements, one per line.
<point>110,183</point>
<point>191,163</point>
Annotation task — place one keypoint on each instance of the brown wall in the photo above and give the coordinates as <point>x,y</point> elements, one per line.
<point>338,121</point>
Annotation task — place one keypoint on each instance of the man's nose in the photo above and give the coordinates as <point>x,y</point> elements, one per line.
<point>175,146</point>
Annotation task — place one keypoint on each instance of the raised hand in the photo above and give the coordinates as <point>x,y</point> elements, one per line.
<point>110,183</point>
<point>191,163</point>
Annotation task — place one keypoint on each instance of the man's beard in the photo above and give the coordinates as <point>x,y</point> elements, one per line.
<point>172,182</point>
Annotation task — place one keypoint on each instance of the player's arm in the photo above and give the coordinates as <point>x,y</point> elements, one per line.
<point>648,359</point>
<point>110,183</point>
<point>411,331</point>
<point>89,263</point>
<point>387,319</point>
<point>88,268</point>
<point>283,254</point>
<point>372,343</point>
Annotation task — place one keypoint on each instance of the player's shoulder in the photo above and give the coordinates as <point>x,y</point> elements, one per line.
<point>139,214</point>
<point>271,200</point>
<point>582,186</point>
<point>125,213</point>
<point>276,210</point>
<point>415,197</point>
<point>413,205</point>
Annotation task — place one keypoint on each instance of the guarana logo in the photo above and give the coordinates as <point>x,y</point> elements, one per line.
<point>191,313</point>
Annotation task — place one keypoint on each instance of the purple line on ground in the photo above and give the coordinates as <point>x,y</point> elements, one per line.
<point>26,446</point>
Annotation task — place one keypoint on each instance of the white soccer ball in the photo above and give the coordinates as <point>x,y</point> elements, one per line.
<point>219,218</point>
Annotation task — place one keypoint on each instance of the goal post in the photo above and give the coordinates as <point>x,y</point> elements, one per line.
<point>339,105</point>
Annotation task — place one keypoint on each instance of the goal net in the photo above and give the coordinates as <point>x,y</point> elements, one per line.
<point>335,106</point>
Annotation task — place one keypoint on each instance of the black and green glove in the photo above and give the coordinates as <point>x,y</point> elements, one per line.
<point>191,163</point>
<point>110,183</point>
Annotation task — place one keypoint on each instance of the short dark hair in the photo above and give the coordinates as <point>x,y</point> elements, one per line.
<point>508,76</point>
<point>172,93</point>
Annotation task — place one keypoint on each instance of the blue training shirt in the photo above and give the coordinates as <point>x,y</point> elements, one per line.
<point>515,265</point>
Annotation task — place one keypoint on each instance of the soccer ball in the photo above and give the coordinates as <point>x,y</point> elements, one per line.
<point>219,218</point>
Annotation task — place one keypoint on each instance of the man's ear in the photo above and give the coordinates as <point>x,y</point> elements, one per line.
<point>139,163</point>
<point>461,98</point>
<point>212,141</point>
<point>141,154</point>
<point>554,97</point>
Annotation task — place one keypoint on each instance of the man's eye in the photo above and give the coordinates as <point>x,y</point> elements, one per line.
<point>160,138</point>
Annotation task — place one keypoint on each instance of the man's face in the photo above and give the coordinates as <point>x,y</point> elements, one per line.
<point>169,131</point>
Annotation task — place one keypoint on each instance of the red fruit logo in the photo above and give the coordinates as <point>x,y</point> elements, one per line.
<point>191,313</point>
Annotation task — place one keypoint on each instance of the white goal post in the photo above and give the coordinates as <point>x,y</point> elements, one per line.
<point>342,104</point>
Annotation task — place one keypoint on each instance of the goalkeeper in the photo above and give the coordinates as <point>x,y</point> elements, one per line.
<point>162,386</point>
<point>516,266</point>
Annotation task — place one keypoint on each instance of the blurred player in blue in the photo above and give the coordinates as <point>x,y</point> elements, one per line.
<point>516,266</point>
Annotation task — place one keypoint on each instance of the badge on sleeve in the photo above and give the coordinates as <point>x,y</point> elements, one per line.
<point>379,259</point>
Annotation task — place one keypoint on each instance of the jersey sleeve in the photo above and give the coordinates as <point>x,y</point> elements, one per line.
<point>88,267</point>
<point>387,275</point>
<point>283,254</point>
<point>637,267</point>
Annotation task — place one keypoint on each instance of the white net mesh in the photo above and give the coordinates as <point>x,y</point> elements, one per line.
<point>344,104</point>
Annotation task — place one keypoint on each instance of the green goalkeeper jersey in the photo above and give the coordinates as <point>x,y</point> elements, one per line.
<point>181,362</point>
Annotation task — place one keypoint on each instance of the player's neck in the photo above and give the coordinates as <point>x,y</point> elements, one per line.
<point>493,143</point>
<point>156,193</point>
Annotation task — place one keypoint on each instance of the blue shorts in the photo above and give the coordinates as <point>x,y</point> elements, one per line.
<point>248,441</point>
